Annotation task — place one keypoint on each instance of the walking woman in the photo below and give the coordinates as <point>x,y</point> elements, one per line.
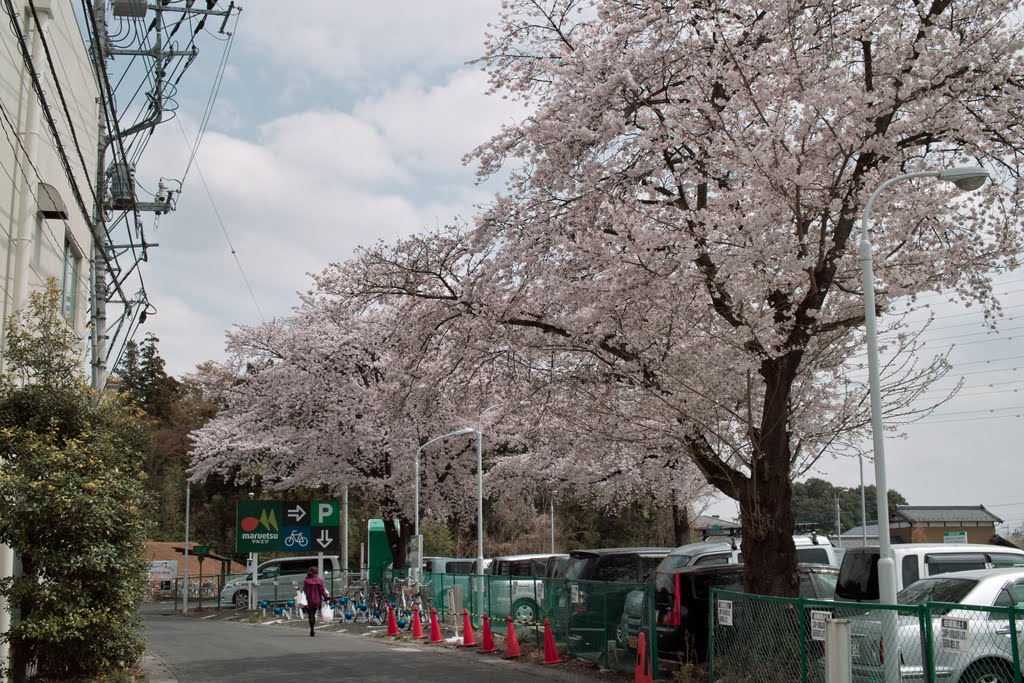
<point>315,592</point>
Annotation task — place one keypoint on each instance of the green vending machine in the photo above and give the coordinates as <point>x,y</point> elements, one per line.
<point>378,551</point>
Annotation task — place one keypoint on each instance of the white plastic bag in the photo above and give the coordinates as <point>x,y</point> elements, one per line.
<point>300,599</point>
<point>326,614</point>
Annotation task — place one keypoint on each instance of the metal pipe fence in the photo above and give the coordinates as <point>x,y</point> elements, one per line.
<point>764,639</point>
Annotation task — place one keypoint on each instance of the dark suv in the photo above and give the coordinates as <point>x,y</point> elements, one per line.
<point>596,585</point>
<point>682,599</point>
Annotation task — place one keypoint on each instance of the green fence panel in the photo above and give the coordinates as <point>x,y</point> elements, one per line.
<point>781,640</point>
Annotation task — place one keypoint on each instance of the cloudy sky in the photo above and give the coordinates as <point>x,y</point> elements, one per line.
<point>341,123</point>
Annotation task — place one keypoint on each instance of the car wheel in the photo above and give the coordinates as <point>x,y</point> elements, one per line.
<point>241,599</point>
<point>988,672</point>
<point>524,609</point>
<point>622,636</point>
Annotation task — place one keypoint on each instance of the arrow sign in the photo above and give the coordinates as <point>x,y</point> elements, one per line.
<point>296,512</point>
<point>325,538</point>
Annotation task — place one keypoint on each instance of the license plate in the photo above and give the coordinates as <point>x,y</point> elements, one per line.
<point>632,642</point>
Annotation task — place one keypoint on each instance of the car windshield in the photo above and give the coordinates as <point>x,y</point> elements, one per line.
<point>577,567</point>
<point>826,583</point>
<point>939,589</point>
<point>675,562</point>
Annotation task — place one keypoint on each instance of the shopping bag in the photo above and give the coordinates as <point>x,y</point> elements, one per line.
<point>326,614</point>
<point>300,599</point>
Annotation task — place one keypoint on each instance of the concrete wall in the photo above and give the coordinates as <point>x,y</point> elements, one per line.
<point>44,250</point>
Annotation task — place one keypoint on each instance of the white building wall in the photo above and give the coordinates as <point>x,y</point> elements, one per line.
<point>45,254</point>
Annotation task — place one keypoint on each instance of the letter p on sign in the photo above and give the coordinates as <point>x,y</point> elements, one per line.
<point>325,513</point>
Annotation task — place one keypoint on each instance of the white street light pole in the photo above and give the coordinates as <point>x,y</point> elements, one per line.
<point>552,524</point>
<point>188,505</point>
<point>480,487</point>
<point>863,503</point>
<point>965,178</point>
<point>416,491</point>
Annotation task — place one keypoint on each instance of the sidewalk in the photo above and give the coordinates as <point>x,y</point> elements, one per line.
<point>154,670</point>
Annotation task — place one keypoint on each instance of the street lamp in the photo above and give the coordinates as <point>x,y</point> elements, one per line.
<point>416,493</point>
<point>480,486</point>
<point>966,178</point>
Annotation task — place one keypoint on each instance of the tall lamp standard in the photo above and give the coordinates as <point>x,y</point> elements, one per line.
<point>966,178</point>
<point>416,494</point>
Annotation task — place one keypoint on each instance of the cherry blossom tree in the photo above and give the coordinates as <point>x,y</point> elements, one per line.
<point>678,239</point>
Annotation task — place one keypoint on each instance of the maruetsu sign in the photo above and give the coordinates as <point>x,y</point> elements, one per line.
<point>263,526</point>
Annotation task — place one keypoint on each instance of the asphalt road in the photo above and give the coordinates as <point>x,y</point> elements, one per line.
<point>190,650</point>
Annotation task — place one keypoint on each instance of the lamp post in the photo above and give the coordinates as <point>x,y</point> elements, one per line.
<point>966,178</point>
<point>480,486</point>
<point>416,493</point>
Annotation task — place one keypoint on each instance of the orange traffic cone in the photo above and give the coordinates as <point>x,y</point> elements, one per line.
<point>392,624</point>
<point>417,625</point>
<point>435,628</point>
<point>550,650</point>
<point>643,669</point>
<point>468,639</point>
<point>511,641</point>
<point>487,646</point>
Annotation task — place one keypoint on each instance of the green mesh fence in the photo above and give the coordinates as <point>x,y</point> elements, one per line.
<point>597,621</point>
<point>781,640</point>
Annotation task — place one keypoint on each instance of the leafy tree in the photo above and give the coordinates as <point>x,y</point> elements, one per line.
<point>70,505</point>
<point>814,502</point>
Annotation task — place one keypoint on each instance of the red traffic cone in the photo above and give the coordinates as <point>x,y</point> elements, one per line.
<point>468,639</point>
<point>417,625</point>
<point>643,669</point>
<point>435,628</point>
<point>550,650</point>
<point>487,646</point>
<point>392,623</point>
<point>511,641</point>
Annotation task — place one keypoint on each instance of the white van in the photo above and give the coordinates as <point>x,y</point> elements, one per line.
<point>858,575</point>
<point>448,565</point>
<point>810,549</point>
<point>279,580</point>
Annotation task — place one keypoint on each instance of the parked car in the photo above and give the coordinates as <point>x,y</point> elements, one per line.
<point>448,565</point>
<point>810,548</point>
<point>858,574</point>
<point>555,568</point>
<point>596,585</point>
<point>984,655</point>
<point>520,590</point>
<point>279,579</point>
<point>682,604</point>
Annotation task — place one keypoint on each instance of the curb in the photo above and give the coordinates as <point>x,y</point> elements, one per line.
<point>155,671</point>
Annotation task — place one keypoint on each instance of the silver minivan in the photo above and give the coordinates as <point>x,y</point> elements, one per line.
<point>520,588</point>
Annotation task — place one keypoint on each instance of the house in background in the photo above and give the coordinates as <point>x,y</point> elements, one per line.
<point>942,524</point>
<point>714,528</point>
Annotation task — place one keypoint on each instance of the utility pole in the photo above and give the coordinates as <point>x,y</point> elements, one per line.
<point>119,171</point>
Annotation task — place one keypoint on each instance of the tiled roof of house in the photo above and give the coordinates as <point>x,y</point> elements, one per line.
<point>858,531</point>
<point>944,513</point>
<point>708,522</point>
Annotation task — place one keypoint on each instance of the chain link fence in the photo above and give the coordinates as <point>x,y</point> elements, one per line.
<point>762,639</point>
<point>596,621</point>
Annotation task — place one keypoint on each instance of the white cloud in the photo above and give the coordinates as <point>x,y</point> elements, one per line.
<point>347,42</point>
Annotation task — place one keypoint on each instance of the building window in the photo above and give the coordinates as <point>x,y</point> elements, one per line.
<point>69,296</point>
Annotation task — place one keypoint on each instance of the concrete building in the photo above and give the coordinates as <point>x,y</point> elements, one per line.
<point>49,158</point>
